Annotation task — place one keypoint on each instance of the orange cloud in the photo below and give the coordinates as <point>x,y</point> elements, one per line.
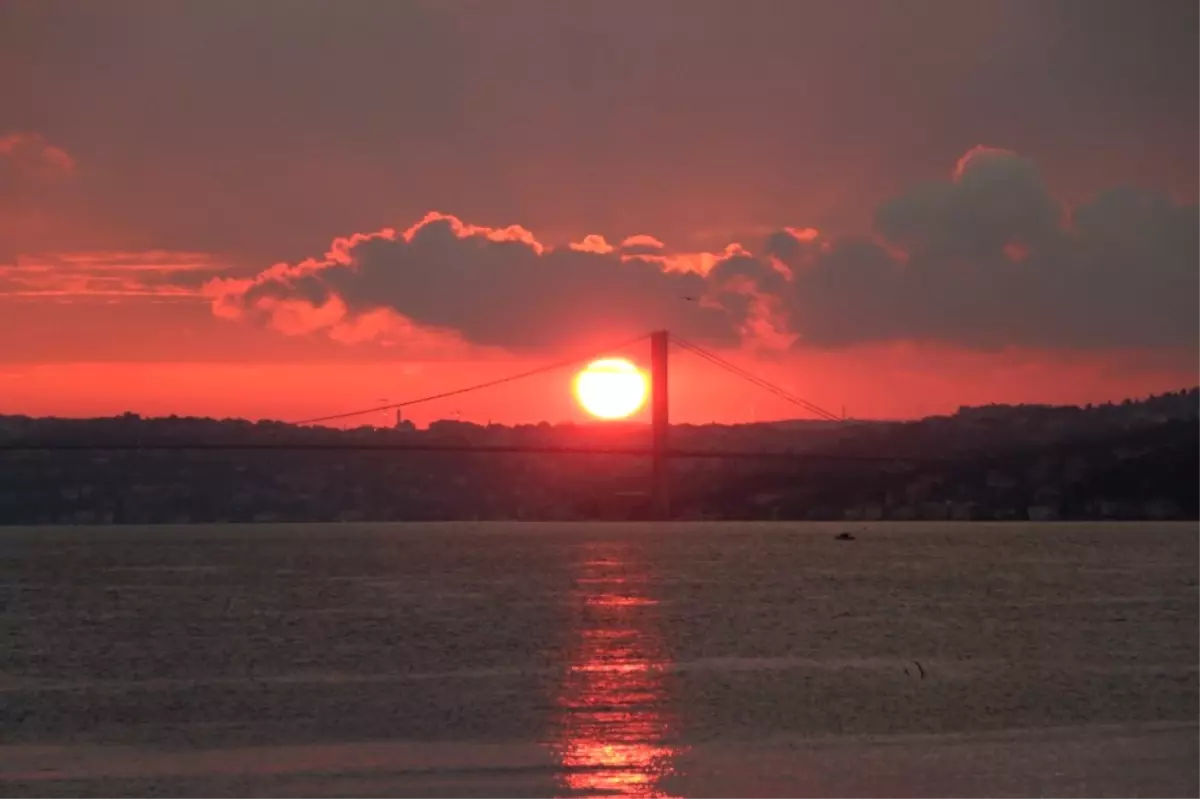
<point>339,251</point>
<point>298,317</point>
<point>32,152</point>
<point>387,328</point>
<point>512,233</point>
<point>804,234</point>
<point>981,260</point>
<point>977,155</point>
<point>500,272</point>
<point>700,263</point>
<point>224,294</point>
<point>592,243</point>
<point>153,273</point>
<point>642,240</point>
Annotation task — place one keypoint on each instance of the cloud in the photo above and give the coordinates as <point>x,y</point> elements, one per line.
<point>990,259</point>
<point>995,198</point>
<point>641,244</point>
<point>491,286</point>
<point>82,275</point>
<point>35,186</point>
<point>523,112</point>
<point>592,243</point>
<point>31,154</point>
<point>986,259</point>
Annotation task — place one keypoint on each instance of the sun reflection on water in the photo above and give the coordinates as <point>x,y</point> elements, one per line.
<point>614,730</point>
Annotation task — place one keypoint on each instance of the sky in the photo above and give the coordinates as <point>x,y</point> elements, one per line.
<point>289,208</point>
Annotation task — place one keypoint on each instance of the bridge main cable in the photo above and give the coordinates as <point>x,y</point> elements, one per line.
<point>467,389</point>
<point>758,381</point>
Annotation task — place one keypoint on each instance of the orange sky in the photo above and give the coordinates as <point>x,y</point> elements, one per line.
<point>993,201</point>
<point>893,382</point>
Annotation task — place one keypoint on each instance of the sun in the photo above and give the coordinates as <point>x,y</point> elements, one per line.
<point>611,388</point>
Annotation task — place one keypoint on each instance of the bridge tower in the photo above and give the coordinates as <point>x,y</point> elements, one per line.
<point>660,486</point>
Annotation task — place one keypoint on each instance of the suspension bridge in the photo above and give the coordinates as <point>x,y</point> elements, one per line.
<point>659,451</point>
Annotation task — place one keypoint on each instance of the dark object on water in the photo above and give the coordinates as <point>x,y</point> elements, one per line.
<point>844,537</point>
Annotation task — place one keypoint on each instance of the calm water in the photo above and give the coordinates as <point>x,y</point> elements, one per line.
<point>590,659</point>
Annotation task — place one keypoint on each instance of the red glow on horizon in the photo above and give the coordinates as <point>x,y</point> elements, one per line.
<point>893,382</point>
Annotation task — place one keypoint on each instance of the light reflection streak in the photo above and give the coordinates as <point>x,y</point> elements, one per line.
<point>613,736</point>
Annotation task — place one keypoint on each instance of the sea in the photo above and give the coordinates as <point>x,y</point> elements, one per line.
<point>601,659</point>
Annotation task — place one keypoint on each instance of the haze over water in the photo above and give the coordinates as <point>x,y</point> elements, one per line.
<point>591,659</point>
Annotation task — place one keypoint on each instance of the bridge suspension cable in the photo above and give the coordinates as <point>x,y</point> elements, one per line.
<point>758,381</point>
<point>489,384</point>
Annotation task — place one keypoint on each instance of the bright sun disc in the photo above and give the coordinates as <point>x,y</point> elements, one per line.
<point>611,388</point>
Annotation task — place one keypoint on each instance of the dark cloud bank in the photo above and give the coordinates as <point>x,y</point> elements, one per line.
<point>983,259</point>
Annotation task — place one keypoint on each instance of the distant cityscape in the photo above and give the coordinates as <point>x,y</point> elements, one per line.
<point>1137,459</point>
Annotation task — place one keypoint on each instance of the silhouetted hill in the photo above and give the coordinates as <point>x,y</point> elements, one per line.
<point>1136,459</point>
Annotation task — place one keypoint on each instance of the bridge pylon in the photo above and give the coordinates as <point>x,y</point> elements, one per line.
<point>660,424</point>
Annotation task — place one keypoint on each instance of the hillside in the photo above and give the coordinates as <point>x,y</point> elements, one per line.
<point>1136,459</point>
